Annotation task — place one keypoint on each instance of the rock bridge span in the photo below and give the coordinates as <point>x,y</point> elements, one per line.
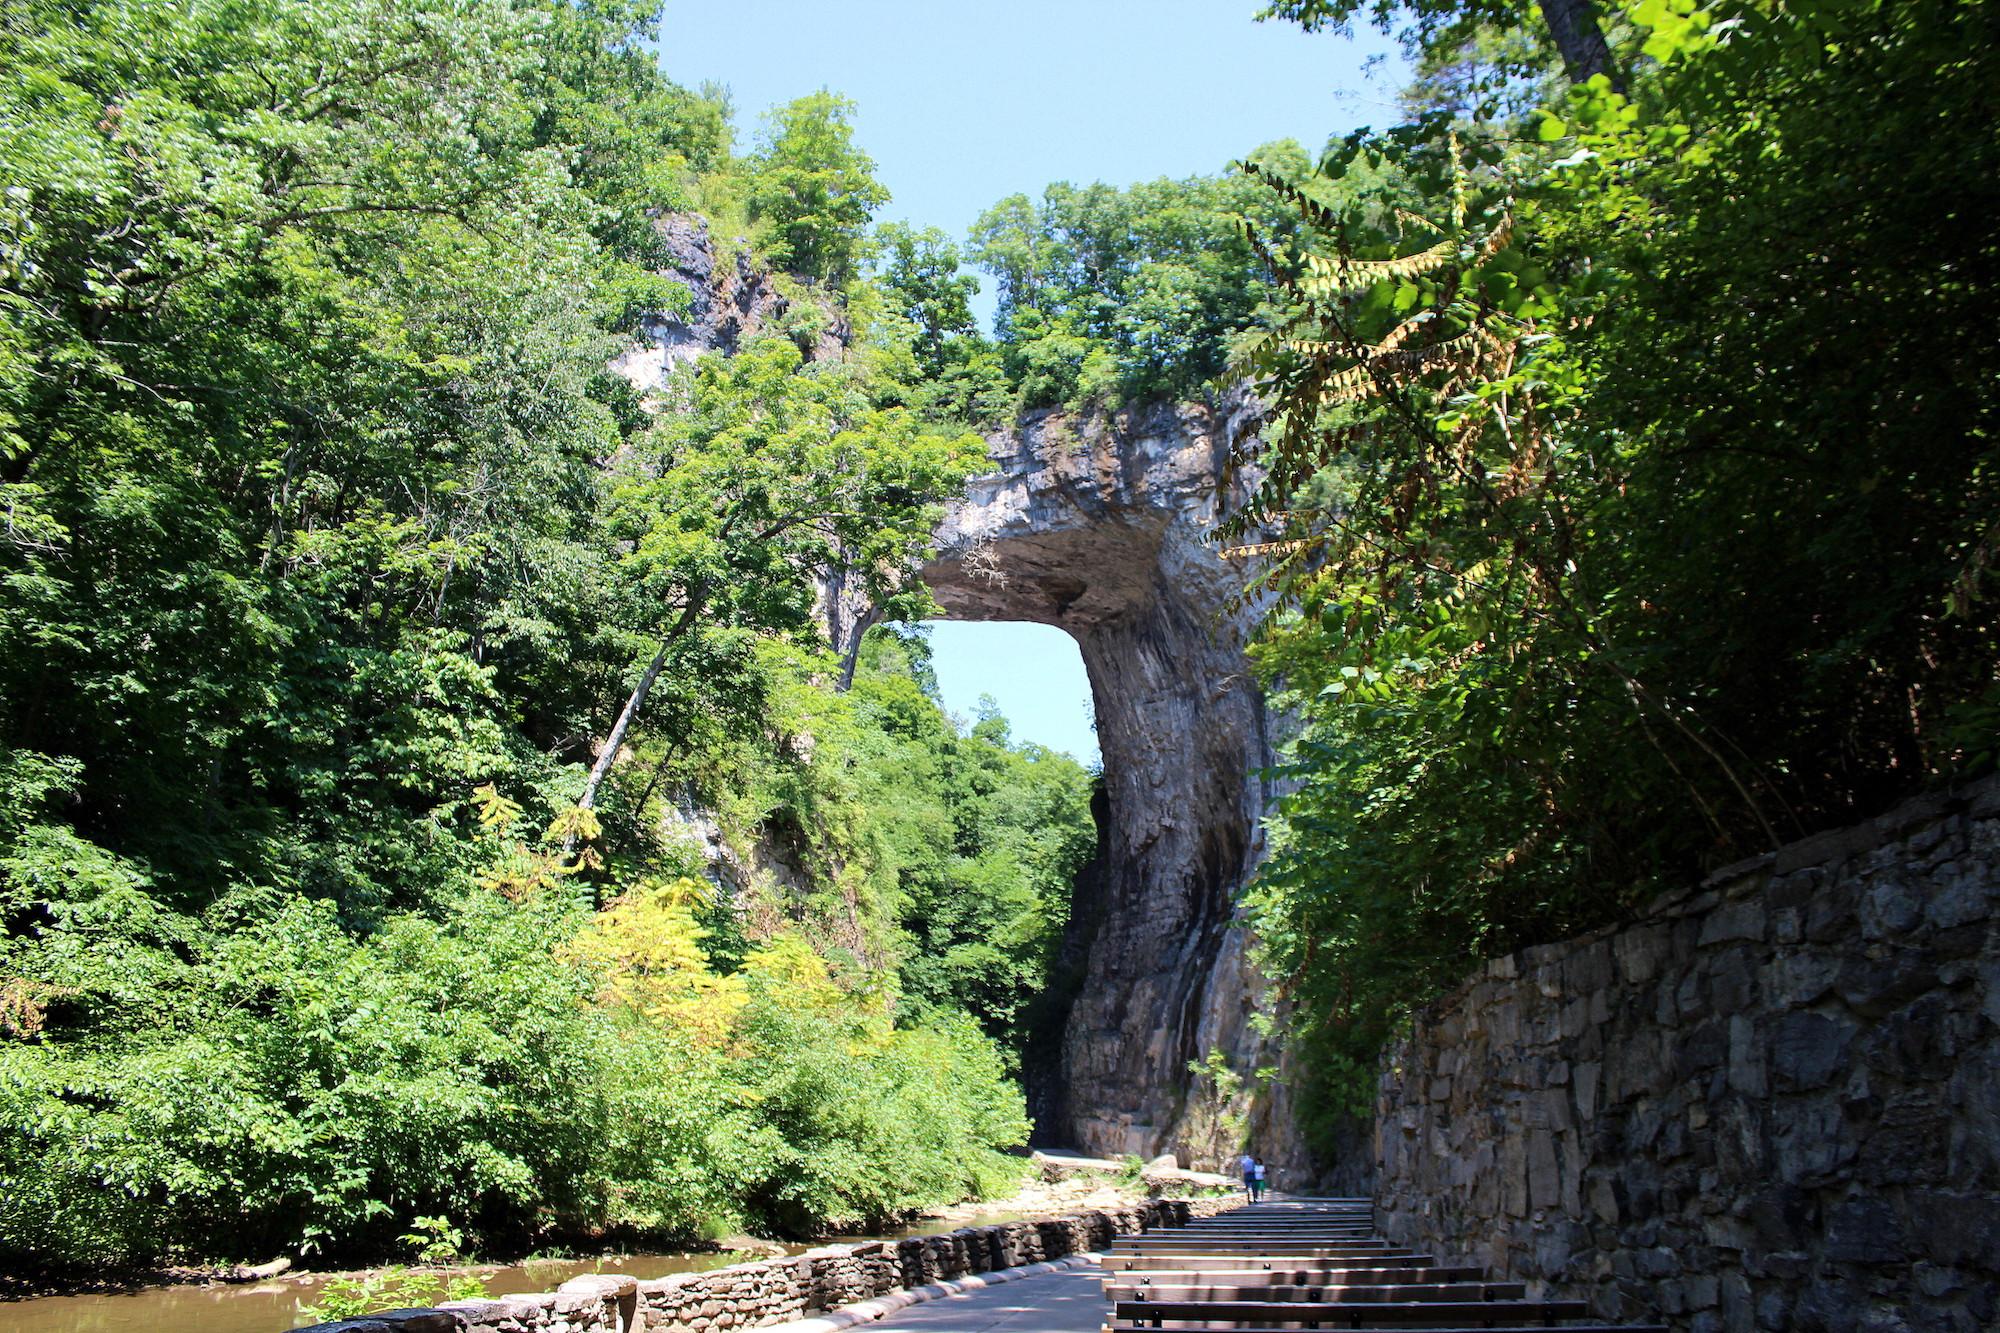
<point>1098,524</point>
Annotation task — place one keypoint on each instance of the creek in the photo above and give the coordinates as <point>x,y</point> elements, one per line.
<point>273,1306</point>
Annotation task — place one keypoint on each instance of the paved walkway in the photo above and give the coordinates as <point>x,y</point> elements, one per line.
<point>1071,1301</point>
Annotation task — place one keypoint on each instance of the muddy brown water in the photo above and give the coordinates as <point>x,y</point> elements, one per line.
<point>272,1307</point>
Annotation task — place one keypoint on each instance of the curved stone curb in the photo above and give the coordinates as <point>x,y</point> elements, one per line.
<point>867,1312</point>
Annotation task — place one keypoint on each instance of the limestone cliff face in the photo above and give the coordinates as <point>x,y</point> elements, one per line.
<point>1099,525</point>
<point>730,300</point>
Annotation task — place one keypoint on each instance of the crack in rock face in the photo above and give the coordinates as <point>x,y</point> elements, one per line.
<point>1099,526</point>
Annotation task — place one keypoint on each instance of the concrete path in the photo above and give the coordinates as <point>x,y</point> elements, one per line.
<point>1071,1301</point>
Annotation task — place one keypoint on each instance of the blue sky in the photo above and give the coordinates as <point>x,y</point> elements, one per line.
<point>962,105</point>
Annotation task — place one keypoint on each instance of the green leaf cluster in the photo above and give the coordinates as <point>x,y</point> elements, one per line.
<point>330,554</point>
<point>1125,295</point>
<point>1629,506</point>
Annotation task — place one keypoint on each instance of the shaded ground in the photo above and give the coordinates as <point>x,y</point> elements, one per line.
<point>1071,1301</point>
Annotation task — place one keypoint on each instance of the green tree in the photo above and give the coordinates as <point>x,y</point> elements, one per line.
<point>329,545</point>
<point>982,841</point>
<point>302,398</point>
<point>772,474</point>
<point>921,278</point>
<point>811,191</point>
<point>1576,27</point>
<point>1629,508</point>
<point>1126,294</point>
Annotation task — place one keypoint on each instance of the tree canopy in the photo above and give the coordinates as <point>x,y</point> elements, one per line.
<point>811,190</point>
<point>1629,502</point>
<point>372,659</point>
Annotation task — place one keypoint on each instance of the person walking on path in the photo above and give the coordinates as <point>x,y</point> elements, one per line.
<point>1250,1176</point>
<point>1257,1182</point>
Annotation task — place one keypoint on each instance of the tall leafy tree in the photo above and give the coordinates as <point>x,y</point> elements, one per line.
<point>1629,506</point>
<point>812,191</point>
<point>772,473</point>
<point>920,275</point>
<point>303,397</point>
<point>1124,294</point>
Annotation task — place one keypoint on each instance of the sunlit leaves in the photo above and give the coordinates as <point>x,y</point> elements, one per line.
<point>812,191</point>
<point>1638,585</point>
<point>1123,294</point>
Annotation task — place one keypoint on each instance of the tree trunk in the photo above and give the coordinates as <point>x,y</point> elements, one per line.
<point>1579,36</point>
<point>848,620</point>
<point>616,740</point>
<point>850,655</point>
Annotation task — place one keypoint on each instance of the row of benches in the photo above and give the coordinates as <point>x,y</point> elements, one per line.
<point>1312,1264</point>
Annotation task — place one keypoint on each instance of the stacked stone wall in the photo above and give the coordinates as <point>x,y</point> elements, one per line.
<point>777,1291</point>
<point>1769,1103</point>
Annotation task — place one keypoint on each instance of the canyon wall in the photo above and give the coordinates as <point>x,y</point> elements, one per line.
<point>1099,524</point>
<point>1769,1103</point>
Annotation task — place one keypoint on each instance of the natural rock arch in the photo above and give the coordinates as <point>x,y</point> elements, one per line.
<point>1099,524</point>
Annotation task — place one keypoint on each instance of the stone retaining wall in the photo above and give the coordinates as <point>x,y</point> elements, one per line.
<point>1772,1103</point>
<point>776,1291</point>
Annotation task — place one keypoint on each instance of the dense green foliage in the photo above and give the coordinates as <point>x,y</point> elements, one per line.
<point>368,653</point>
<point>811,191</point>
<point>1109,294</point>
<point>983,838</point>
<point>257,1080</point>
<point>922,320</point>
<point>1635,482</point>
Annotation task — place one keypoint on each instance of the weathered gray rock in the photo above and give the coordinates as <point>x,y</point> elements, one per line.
<point>729,300</point>
<point>1100,525</point>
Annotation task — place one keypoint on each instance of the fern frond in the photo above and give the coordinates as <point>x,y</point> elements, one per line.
<point>1401,333</point>
<point>1325,278</point>
<point>1458,183</point>
<point>1315,212</point>
<point>1497,242</point>
<point>1420,220</point>
<point>1350,386</point>
<point>1255,549</point>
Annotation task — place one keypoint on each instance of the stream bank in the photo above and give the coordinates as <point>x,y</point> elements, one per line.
<point>219,1304</point>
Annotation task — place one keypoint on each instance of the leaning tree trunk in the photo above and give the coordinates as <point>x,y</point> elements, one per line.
<point>636,701</point>
<point>616,740</point>
<point>1579,37</point>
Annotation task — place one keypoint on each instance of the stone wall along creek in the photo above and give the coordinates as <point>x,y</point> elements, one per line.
<point>777,1291</point>
<point>1769,1103</point>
